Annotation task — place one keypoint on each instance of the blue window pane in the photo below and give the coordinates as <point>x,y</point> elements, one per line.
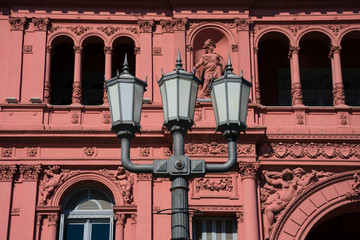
<point>100,231</point>
<point>74,232</point>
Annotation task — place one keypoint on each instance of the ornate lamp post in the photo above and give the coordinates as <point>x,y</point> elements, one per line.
<point>229,94</point>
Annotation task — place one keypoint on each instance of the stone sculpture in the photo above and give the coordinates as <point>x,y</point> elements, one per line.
<point>53,178</point>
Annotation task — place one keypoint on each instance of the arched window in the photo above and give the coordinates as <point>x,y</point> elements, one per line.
<point>315,69</point>
<point>274,70</point>
<point>93,70</point>
<point>87,215</point>
<point>121,46</point>
<point>350,67</point>
<point>62,70</point>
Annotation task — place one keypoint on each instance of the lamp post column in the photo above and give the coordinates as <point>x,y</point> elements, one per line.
<point>179,194</point>
<point>248,173</point>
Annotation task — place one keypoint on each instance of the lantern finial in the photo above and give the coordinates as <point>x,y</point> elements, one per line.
<point>178,61</point>
<point>125,68</point>
<point>228,68</point>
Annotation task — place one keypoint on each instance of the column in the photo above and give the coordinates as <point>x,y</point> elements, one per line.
<point>47,83</point>
<point>144,59</point>
<point>17,26</point>
<point>119,226</point>
<point>256,73</point>
<point>133,225</point>
<point>76,92</point>
<point>296,92</point>
<point>6,178</point>
<point>144,211</point>
<point>38,226</point>
<point>248,172</point>
<point>338,86</point>
<point>242,26</point>
<point>52,226</point>
<point>108,70</point>
<point>29,176</point>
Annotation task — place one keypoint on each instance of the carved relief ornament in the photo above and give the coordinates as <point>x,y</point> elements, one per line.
<point>355,187</point>
<point>215,148</point>
<point>248,170</point>
<point>109,30</point>
<point>294,29</point>
<point>79,30</point>
<point>7,173</point>
<point>241,24</point>
<point>7,152</point>
<point>41,24</point>
<point>30,172</point>
<point>310,150</point>
<point>296,94</point>
<point>17,23</point>
<point>336,28</point>
<point>206,184</point>
<point>175,24</point>
<point>339,94</point>
<point>146,25</point>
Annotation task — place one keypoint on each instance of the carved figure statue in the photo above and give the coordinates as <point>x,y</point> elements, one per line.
<point>290,182</point>
<point>126,182</point>
<point>213,67</point>
<point>53,178</point>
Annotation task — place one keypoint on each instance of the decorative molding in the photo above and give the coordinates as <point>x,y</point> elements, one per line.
<point>300,118</point>
<point>106,117</point>
<point>136,50</point>
<point>215,149</point>
<point>30,172</point>
<point>218,208</point>
<point>241,24</point>
<point>107,50</point>
<point>32,151</point>
<point>310,150</point>
<point>157,51</point>
<point>296,94</point>
<point>175,24</point>
<point>144,151</point>
<point>248,170</point>
<point>355,188</point>
<point>294,29</point>
<point>336,28</point>
<point>125,181</point>
<point>41,24</point>
<point>7,152</point>
<point>75,118</point>
<point>79,30</point>
<point>54,28</point>
<point>234,47</point>
<point>343,118</point>
<point>7,173</point>
<point>222,184</point>
<point>338,94</point>
<point>17,23</point>
<point>145,25</point>
<point>259,28</point>
<point>109,30</point>
<point>28,49</point>
<point>144,176</point>
<point>15,211</point>
<point>90,151</point>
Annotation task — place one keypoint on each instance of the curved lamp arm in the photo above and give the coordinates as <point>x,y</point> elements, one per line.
<point>232,158</point>
<point>125,158</point>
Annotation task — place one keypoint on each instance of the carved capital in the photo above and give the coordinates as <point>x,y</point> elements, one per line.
<point>41,24</point>
<point>146,25</point>
<point>180,24</point>
<point>53,219</point>
<point>136,50</point>
<point>248,170</point>
<point>134,218</point>
<point>7,173</point>
<point>108,50</point>
<point>241,24</point>
<point>334,50</point>
<point>17,23</point>
<point>49,49</point>
<point>77,49</point>
<point>167,26</point>
<point>338,94</point>
<point>293,50</point>
<point>120,218</point>
<point>240,216</point>
<point>234,47</point>
<point>30,172</point>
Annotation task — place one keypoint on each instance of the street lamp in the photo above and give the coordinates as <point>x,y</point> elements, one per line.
<point>178,88</point>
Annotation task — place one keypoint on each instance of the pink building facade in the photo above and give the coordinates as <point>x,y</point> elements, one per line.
<point>298,163</point>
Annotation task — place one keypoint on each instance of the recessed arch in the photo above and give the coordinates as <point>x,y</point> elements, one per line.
<point>92,37</point>
<point>55,36</point>
<point>84,179</point>
<point>121,45</point>
<point>314,32</point>
<point>311,205</point>
<point>268,32</point>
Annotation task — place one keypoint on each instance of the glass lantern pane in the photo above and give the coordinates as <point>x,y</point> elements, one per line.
<point>138,98</point>
<point>220,96</point>
<point>164,101</point>
<point>234,101</point>
<point>184,97</point>
<point>126,99</point>
<point>193,95</point>
<point>214,107</point>
<point>113,95</point>
<point>245,90</point>
<point>172,98</point>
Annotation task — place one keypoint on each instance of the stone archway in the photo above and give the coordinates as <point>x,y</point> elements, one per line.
<point>314,203</point>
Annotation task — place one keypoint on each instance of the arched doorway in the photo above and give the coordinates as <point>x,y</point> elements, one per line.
<point>340,224</point>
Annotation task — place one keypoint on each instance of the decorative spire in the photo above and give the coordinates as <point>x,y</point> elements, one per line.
<point>125,68</point>
<point>178,61</point>
<point>228,68</point>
